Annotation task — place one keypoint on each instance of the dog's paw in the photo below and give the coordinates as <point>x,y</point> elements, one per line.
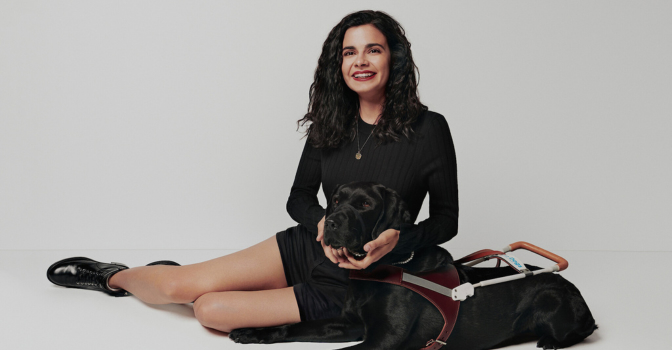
<point>548,343</point>
<point>267,335</point>
<point>247,336</point>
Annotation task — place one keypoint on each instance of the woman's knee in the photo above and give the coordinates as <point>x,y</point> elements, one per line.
<point>214,310</point>
<point>179,289</point>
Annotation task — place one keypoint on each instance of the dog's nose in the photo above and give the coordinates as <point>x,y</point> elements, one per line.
<point>330,224</point>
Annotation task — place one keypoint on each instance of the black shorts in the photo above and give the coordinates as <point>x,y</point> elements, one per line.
<point>319,285</point>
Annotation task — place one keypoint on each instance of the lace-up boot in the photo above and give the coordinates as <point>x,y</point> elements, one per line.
<point>85,273</point>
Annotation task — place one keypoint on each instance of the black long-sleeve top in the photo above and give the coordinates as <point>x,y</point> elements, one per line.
<point>412,168</point>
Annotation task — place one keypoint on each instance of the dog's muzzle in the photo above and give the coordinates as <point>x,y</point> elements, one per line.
<point>360,221</point>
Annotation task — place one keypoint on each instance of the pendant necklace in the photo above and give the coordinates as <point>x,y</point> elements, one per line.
<point>358,155</point>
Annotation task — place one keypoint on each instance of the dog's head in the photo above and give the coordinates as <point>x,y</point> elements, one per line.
<point>359,212</point>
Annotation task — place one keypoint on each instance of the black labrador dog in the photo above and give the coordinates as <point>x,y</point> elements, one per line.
<point>545,307</point>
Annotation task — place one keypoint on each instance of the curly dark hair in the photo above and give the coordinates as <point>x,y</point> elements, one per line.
<point>333,105</point>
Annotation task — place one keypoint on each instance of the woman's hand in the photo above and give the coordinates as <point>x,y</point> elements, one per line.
<point>375,249</point>
<point>335,255</point>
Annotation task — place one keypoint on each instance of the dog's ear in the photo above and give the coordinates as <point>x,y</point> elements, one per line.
<point>330,204</point>
<point>396,211</point>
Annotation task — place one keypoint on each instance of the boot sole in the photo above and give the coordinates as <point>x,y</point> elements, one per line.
<point>164,262</point>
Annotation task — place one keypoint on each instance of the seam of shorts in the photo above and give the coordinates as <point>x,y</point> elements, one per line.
<point>302,312</point>
<point>314,283</point>
<point>283,258</point>
<point>316,263</point>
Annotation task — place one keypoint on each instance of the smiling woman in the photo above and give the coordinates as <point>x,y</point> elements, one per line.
<point>366,66</point>
<point>366,42</point>
<point>365,87</point>
<point>365,83</point>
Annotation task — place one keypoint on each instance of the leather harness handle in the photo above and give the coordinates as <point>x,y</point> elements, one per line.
<point>560,261</point>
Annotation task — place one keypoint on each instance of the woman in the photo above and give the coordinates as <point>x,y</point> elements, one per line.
<point>366,123</point>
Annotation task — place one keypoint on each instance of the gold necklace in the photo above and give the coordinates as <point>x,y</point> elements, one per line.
<point>358,155</point>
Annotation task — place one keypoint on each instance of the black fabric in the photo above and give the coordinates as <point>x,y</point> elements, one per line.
<point>412,168</point>
<point>319,285</point>
<point>313,304</point>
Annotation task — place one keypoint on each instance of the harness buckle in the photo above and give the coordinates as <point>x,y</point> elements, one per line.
<point>432,341</point>
<point>463,291</point>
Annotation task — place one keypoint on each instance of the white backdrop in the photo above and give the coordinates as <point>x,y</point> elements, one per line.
<point>171,124</point>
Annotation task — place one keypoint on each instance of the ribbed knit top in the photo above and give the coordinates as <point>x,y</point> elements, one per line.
<point>412,168</point>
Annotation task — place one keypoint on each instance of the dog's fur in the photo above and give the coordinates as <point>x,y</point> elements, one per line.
<point>545,307</point>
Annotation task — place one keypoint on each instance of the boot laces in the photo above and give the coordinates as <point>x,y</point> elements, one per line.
<point>90,278</point>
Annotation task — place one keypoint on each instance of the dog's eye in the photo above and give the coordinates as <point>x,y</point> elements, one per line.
<point>335,201</point>
<point>366,204</point>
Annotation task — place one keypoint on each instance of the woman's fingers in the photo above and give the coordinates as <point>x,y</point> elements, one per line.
<point>328,253</point>
<point>385,238</point>
<point>350,262</point>
<point>340,255</point>
<point>355,264</point>
<point>370,246</point>
<point>335,255</point>
<point>349,266</point>
<point>320,230</point>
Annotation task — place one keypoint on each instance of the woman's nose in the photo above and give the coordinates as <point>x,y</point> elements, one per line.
<point>361,61</point>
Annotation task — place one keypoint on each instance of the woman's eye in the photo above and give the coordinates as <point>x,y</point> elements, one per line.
<point>348,53</point>
<point>375,50</point>
<point>366,204</point>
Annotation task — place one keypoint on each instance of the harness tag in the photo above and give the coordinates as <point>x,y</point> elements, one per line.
<point>514,262</point>
<point>463,291</point>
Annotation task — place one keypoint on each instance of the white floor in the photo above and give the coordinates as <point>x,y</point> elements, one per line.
<point>628,293</point>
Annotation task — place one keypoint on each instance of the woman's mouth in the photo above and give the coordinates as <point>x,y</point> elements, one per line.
<point>363,76</point>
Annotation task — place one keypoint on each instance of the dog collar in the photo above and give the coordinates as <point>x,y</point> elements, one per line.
<point>405,261</point>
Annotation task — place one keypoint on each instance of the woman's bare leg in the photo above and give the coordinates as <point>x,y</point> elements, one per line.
<point>256,268</point>
<point>226,311</point>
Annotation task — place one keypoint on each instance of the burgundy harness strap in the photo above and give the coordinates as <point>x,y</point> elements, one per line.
<point>488,254</point>
<point>477,255</point>
<point>446,305</point>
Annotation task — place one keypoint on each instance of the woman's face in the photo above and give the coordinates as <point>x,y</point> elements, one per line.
<point>366,61</point>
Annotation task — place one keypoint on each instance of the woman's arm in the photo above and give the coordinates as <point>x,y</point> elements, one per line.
<point>440,171</point>
<point>302,204</point>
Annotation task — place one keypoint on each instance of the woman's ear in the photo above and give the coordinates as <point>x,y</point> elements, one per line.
<point>330,205</point>
<point>396,211</point>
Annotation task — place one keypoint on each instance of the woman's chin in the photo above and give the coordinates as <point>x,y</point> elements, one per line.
<point>368,91</point>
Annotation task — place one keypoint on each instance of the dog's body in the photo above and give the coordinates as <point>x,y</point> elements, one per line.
<point>545,307</point>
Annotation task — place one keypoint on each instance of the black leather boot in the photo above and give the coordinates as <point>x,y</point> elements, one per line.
<point>85,273</point>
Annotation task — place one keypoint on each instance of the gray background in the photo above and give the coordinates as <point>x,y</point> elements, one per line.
<point>171,124</point>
